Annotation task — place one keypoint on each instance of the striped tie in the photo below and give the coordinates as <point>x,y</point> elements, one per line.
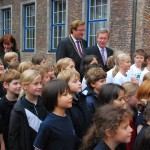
<point>103,56</point>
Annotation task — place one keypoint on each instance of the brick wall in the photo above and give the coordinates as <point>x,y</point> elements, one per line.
<point>121,25</point>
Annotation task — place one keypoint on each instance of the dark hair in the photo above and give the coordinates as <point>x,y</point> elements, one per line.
<point>8,38</point>
<point>144,143</point>
<point>86,63</point>
<point>37,59</point>
<point>109,92</point>
<point>106,117</point>
<point>147,56</point>
<point>51,91</point>
<point>140,52</point>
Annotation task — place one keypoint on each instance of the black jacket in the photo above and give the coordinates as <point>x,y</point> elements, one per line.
<point>21,136</point>
<point>67,48</point>
<point>91,99</point>
<point>93,50</point>
<point>80,116</point>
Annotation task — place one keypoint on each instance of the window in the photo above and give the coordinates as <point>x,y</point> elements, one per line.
<point>97,18</point>
<point>58,22</point>
<point>29,28</point>
<point>6,21</point>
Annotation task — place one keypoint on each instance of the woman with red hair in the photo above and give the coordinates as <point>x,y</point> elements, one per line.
<point>8,44</point>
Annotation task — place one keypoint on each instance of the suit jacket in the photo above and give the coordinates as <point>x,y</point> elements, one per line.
<point>93,50</point>
<point>67,48</point>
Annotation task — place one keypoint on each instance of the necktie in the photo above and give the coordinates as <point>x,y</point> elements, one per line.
<point>79,48</point>
<point>103,56</point>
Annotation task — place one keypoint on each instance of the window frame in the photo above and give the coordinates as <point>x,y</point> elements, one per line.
<point>95,20</point>
<point>52,49</point>
<point>3,21</point>
<point>25,28</point>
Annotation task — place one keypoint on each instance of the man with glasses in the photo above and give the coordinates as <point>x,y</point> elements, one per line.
<point>73,45</point>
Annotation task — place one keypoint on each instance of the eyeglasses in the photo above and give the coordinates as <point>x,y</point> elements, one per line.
<point>81,30</point>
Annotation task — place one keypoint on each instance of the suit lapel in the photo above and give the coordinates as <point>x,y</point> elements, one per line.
<point>74,46</point>
<point>99,56</point>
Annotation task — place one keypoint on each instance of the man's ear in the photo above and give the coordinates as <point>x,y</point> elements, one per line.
<point>5,85</point>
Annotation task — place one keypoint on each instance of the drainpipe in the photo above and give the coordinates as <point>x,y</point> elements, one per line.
<point>133,28</point>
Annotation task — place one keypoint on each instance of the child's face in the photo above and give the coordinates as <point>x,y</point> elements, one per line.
<point>43,62</point>
<point>123,133</point>
<point>138,60</point>
<point>98,84</point>
<point>64,100</point>
<point>15,59</point>
<point>126,63</point>
<point>71,65</point>
<point>74,84</point>
<point>34,88</point>
<point>120,101</point>
<point>51,74</point>
<point>46,78</point>
<point>13,87</point>
<point>1,68</point>
<point>132,100</point>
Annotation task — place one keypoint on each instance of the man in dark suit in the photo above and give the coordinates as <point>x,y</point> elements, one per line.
<point>100,50</point>
<point>73,46</point>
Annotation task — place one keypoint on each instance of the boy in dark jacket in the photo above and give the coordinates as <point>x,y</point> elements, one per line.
<point>11,82</point>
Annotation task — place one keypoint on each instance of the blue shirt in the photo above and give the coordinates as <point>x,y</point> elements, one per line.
<point>55,132</point>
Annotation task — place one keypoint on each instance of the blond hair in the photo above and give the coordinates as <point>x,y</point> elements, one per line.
<point>10,55</point>
<point>24,66</point>
<point>119,58</point>
<point>9,75</point>
<point>67,74</point>
<point>63,63</point>
<point>29,76</point>
<point>74,25</point>
<point>146,76</point>
<point>130,88</point>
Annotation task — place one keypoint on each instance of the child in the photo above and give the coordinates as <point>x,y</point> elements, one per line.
<point>2,144</point>
<point>95,78</point>
<point>147,66</point>
<point>146,76</point>
<point>143,92</point>
<point>13,65</point>
<point>27,113</point>
<point>38,60</point>
<point>10,57</point>
<point>146,116</point>
<point>113,71</point>
<point>79,112</point>
<point>144,143</point>
<point>43,70</point>
<point>56,131</point>
<point>11,82</point>
<point>112,94</point>
<point>136,68</point>
<point>88,60</point>
<point>64,64</point>
<point>131,101</point>
<point>110,128</point>
<point>51,72</point>
<point>2,91</point>
<point>24,66</point>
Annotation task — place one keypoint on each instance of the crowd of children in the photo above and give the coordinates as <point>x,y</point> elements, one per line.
<point>46,107</point>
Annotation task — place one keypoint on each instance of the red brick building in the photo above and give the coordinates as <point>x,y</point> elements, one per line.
<point>39,25</point>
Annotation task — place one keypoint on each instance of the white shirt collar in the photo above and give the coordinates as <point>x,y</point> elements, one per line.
<point>74,40</point>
